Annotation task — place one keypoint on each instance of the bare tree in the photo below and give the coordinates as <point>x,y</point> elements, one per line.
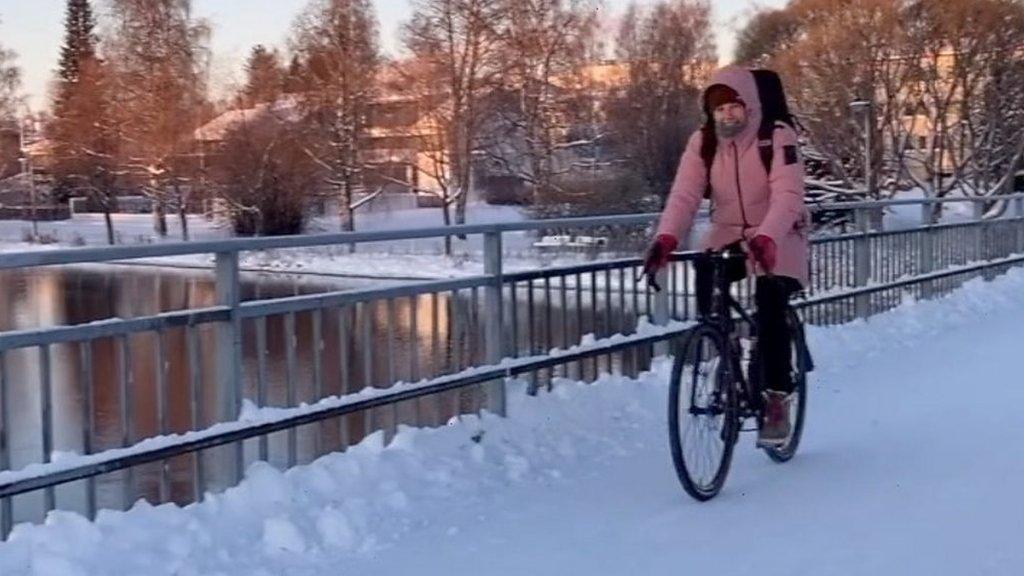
<point>336,42</point>
<point>157,53</point>
<point>667,50</point>
<point>971,95</point>
<point>995,129</point>
<point>846,52</point>
<point>265,176</point>
<point>453,61</point>
<point>545,46</point>
<point>293,82</point>
<point>945,89</point>
<point>10,84</point>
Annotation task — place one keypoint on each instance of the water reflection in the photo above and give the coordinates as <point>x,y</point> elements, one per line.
<point>115,391</point>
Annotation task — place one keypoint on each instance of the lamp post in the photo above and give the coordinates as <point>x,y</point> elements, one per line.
<point>866,110</point>
<point>26,170</point>
<point>861,245</point>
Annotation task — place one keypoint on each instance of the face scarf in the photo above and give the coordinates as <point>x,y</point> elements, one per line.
<point>730,129</point>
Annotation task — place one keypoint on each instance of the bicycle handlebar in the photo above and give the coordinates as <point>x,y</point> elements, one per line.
<point>718,256</point>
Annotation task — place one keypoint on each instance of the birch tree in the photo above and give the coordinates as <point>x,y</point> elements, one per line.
<point>667,50</point>
<point>545,46</point>
<point>455,52</point>
<point>156,52</point>
<point>336,43</point>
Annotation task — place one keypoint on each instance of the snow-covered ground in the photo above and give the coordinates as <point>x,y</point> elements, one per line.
<point>419,259</point>
<point>911,465</point>
<point>90,229</point>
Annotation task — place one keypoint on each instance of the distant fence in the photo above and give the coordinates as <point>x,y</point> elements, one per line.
<point>40,213</point>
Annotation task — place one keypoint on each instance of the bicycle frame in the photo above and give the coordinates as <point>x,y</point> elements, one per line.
<point>723,305</point>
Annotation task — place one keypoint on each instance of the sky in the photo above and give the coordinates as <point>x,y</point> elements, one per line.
<point>34,30</point>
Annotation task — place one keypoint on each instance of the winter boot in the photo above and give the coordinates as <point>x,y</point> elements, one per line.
<point>775,428</point>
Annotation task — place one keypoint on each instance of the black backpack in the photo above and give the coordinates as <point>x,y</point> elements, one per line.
<point>774,110</point>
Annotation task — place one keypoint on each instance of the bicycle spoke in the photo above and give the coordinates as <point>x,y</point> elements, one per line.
<point>703,446</point>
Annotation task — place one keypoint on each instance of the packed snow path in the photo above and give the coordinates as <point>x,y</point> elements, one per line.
<point>912,464</point>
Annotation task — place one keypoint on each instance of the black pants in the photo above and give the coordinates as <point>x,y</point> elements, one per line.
<point>772,300</point>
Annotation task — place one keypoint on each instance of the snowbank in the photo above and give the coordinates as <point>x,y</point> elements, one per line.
<point>909,466</point>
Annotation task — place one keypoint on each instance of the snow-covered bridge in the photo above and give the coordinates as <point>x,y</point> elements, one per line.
<point>909,462</point>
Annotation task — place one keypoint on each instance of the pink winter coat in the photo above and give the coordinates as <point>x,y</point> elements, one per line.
<point>746,201</point>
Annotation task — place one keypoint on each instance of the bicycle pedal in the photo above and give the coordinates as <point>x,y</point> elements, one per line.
<point>771,443</point>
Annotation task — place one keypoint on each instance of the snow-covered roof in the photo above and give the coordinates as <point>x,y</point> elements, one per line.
<point>217,129</point>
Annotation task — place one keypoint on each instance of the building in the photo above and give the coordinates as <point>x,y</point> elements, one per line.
<point>399,151</point>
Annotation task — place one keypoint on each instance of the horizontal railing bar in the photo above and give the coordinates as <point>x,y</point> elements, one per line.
<point>908,231</point>
<point>912,280</point>
<point>114,460</point>
<point>308,302</point>
<point>111,253</point>
<point>855,205</point>
<point>111,327</point>
<point>582,268</point>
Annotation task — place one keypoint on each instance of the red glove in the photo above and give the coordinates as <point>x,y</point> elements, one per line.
<point>764,251</point>
<point>658,255</point>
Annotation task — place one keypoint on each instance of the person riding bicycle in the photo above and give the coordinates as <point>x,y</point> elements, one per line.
<point>757,205</point>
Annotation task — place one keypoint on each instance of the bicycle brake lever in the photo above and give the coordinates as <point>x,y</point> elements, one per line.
<point>651,281</point>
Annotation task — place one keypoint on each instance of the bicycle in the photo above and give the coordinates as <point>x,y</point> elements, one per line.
<point>718,410</point>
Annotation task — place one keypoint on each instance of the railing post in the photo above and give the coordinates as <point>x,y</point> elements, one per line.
<point>862,262</point>
<point>927,212</point>
<point>926,258</point>
<point>878,219</point>
<point>229,338</point>
<point>1018,211</point>
<point>494,322</point>
<point>660,314</point>
<point>229,352</point>
<point>6,510</point>
<point>978,210</point>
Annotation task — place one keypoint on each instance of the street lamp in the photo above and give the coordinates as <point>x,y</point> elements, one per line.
<point>26,170</point>
<point>866,109</point>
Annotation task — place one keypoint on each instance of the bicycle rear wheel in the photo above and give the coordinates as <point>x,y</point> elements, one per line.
<point>702,414</point>
<point>800,363</point>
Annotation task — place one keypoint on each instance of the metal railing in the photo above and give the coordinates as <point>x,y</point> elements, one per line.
<point>196,365</point>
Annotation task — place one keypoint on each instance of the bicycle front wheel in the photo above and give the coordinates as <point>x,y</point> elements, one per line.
<point>702,414</point>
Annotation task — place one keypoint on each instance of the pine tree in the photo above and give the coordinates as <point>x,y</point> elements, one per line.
<point>265,76</point>
<point>82,128</point>
<point>79,40</point>
<point>293,80</point>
